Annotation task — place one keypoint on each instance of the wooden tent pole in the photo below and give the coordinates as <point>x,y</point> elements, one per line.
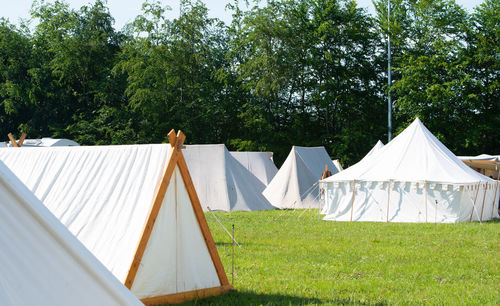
<point>494,201</point>
<point>425,190</point>
<point>474,203</point>
<point>200,216</point>
<point>154,210</point>
<point>484,198</point>
<point>388,199</point>
<point>21,139</point>
<point>352,200</point>
<point>12,140</point>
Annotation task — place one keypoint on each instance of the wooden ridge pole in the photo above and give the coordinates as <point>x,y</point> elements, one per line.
<point>484,198</point>
<point>155,208</point>
<point>352,200</point>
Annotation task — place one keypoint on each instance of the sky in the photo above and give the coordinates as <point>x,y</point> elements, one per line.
<point>124,11</point>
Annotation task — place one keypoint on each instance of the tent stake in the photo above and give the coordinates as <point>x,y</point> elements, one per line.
<point>352,201</point>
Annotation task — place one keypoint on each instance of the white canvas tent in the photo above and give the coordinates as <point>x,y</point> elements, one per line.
<point>414,178</point>
<point>295,184</point>
<point>222,182</point>
<point>260,164</point>
<point>42,263</point>
<point>134,207</point>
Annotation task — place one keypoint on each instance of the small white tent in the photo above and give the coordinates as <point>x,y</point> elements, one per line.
<point>414,178</point>
<point>260,164</point>
<point>337,165</point>
<point>42,263</point>
<point>222,182</point>
<point>295,184</point>
<point>134,207</point>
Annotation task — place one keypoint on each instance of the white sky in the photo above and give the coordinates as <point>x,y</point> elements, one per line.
<point>125,10</point>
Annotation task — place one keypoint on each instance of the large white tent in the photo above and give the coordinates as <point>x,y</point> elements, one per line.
<point>260,164</point>
<point>134,208</point>
<point>222,182</point>
<point>42,263</point>
<point>414,178</point>
<point>295,184</point>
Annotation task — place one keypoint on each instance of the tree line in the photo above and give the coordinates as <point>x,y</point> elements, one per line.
<point>282,73</point>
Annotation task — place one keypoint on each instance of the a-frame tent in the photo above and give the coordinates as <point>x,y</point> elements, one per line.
<point>222,182</point>
<point>296,183</point>
<point>164,251</point>
<point>42,263</point>
<point>260,164</point>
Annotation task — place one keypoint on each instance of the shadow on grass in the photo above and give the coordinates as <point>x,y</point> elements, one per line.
<point>253,298</point>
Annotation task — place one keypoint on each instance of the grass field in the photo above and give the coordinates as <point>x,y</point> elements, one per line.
<point>291,257</point>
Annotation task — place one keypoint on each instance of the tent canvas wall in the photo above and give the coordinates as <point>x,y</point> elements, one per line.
<point>414,178</point>
<point>295,184</point>
<point>260,164</point>
<point>42,262</point>
<point>222,182</point>
<point>162,251</point>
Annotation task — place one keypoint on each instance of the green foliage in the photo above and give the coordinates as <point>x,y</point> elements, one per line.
<point>282,73</point>
<point>292,257</point>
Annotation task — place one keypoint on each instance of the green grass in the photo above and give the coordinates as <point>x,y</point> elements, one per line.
<point>291,257</point>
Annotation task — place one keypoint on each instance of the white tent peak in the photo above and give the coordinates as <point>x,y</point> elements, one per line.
<point>379,145</point>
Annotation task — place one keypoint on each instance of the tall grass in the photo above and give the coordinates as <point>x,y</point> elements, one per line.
<point>292,257</point>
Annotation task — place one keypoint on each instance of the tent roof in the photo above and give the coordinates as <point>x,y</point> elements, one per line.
<point>414,155</point>
<point>259,164</point>
<point>42,262</point>
<point>293,185</point>
<point>222,182</point>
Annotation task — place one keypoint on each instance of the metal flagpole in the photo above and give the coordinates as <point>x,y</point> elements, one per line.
<point>389,103</point>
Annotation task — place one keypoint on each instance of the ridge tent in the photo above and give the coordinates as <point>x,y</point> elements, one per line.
<point>134,207</point>
<point>42,262</point>
<point>222,182</point>
<point>259,164</point>
<point>294,186</point>
<point>414,178</point>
